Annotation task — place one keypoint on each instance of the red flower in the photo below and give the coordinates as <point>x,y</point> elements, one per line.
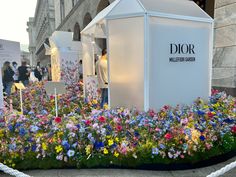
<point>210,114</point>
<point>87,122</point>
<point>57,120</point>
<point>168,136</point>
<point>51,97</point>
<point>102,119</point>
<point>119,128</point>
<point>233,129</point>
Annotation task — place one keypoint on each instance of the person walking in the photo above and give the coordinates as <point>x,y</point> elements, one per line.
<point>37,73</point>
<point>15,69</point>
<point>24,74</point>
<point>7,77</point>
<point>102,74</point>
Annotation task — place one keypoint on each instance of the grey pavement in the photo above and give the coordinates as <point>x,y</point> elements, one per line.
<point>200,172</point>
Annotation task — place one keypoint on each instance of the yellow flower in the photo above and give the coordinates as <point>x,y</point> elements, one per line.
<point>105,106</point>
<point>1,133</point>
<point>195,136</point>
<point>105,151</point>
<point>116,154</point>
<point>205,107</point>
<point>88,149</point>
<point>117,140</point>
<point>44,146</point>
<point>108,137</point>
<point>58,148</point>
<point>38,135</point>
<point>94,102</point>
<point>110,142</point>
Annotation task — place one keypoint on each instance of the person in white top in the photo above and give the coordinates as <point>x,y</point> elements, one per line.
<point>102,74</point>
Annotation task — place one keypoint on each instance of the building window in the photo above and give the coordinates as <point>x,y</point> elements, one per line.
<point>76,36</point>
<point>73,3</point>
<point>102,5</point>
<point>87,19</point>
<point>207,6</point>
<point>62,9</point>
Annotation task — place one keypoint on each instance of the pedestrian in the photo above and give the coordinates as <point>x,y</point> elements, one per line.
<point>80,69</point>
<point>37,73</point>
<point>102,74</point>
<point>16,73</point>
<point>24,74</point>
<point>49,72</point>
<point>7,77</point>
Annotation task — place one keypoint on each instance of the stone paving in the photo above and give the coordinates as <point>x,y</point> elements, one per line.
<point>200,172</point>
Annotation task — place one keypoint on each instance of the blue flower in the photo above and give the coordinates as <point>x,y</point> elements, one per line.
<point>17,125</point>
<point>200,113</point>
<point>12,146</point>
<point>33,148</point>
<point>22,132</point>
<point>11,128</point>
<point>70,153</point>
<point>26,149</point>
<point>155,151</point>
<point>65,144</point>
<point>202,138</point>
<point>162,146</point>
<point>98,145</point>
<point>136,134</point>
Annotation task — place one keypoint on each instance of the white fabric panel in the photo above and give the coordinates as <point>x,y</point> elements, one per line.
<point>178,82</point>
<point>88,59</point>
<point>175,7</point>
<point>126,64</point>
<point>125,7</point>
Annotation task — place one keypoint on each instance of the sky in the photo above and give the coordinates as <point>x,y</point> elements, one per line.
<point>14,15</point>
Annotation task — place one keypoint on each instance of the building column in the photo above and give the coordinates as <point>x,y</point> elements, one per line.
<point>224,62</point>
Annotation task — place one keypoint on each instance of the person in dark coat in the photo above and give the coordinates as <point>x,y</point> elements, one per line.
<point>24,74</point>
<point>7,77</point>
<point>37,73</point>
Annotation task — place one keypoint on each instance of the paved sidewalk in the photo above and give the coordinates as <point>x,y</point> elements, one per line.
<point>200,172</point>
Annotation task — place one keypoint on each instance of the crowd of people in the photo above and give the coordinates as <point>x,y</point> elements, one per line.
<point>11,74</point>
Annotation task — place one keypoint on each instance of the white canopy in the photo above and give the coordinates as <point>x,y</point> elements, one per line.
<point>180,9</point>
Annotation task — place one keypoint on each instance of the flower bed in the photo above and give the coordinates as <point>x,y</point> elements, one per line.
<point>85,136</point>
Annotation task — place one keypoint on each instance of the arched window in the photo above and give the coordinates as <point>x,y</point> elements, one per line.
<point>87,19</point>
<point>76,36</point>
<point>62,9</point>
<point>102,5</point>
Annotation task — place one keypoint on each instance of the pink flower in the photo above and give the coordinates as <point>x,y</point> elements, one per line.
<point>57,120</point>
<point>87,122</point>
<point>119,128</point>
<point>233,129</point>
<point>102,119</point>
<point>168,136</point>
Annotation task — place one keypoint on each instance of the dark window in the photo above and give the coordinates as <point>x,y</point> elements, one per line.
<point>102,5</point>
<point>76,36</point>
<point>87,19</point>
<point>62,9</point>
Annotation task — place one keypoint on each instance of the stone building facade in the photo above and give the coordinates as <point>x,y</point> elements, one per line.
<point>40,28</point>
<point>224,63</point>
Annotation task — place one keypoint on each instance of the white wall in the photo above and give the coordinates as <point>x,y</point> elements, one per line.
<point>175,83</point>
<point>126,53</point>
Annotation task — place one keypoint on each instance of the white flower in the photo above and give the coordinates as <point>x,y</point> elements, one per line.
<point>70,153</point>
